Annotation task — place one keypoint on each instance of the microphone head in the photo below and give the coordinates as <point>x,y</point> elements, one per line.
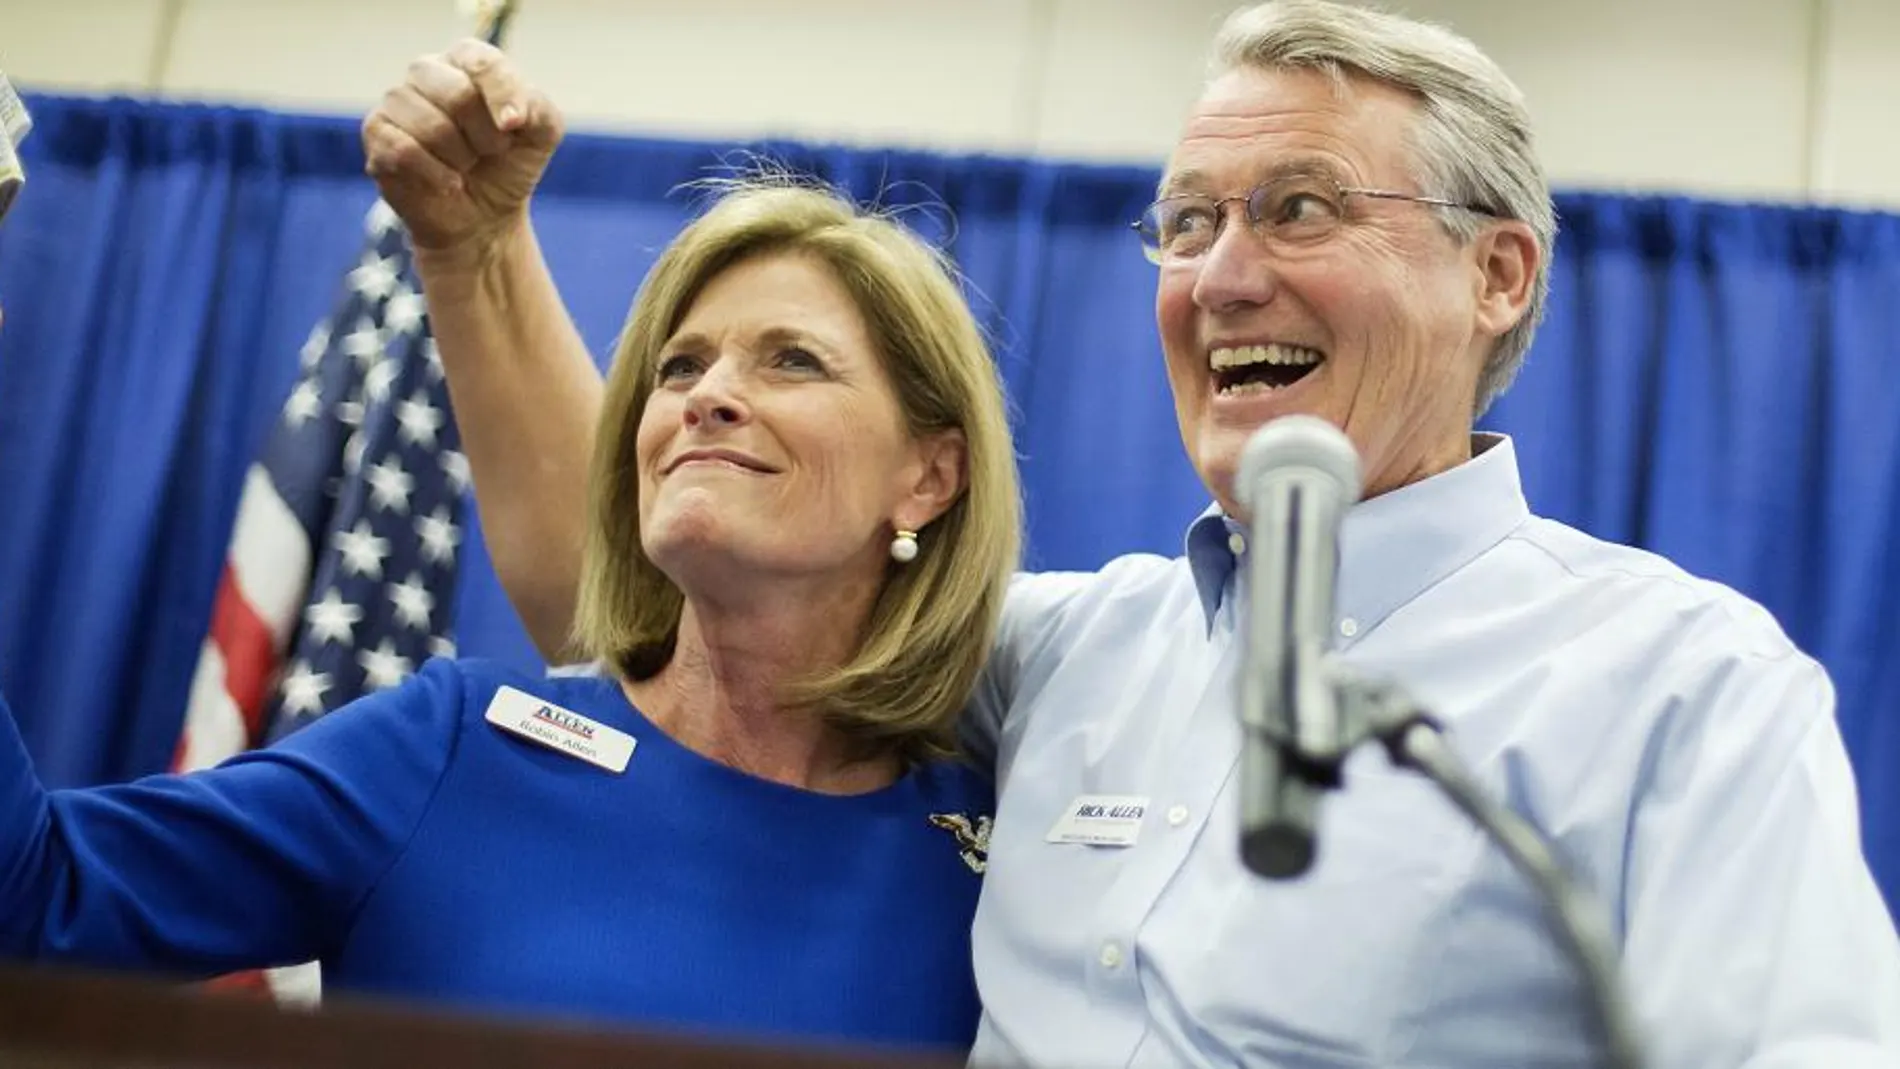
<point>1277,851</point>
<point>1304,444</point>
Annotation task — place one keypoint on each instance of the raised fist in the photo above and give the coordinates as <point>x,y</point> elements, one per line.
<point>459,146</point>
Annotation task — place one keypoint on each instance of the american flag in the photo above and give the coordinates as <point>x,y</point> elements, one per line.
<point>341,569</point>
<point>340,575</point>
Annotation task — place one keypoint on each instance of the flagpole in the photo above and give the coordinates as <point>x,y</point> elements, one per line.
<point>492,20</point>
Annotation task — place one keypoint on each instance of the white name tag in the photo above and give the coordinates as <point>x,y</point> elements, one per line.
<point>560,729</point>
<point>1101,820</point>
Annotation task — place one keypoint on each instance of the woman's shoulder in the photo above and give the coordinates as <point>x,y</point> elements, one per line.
<point>481,682</point>
<point>960,801</point>
<point>955,783</point>
<point>586,716</point>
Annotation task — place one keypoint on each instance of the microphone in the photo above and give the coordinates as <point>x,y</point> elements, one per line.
<point>1302,715</point>
<point>1298,476</point>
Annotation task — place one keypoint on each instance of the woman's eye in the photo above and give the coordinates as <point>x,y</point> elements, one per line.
<point>675,367</point>
<point>799,360</point>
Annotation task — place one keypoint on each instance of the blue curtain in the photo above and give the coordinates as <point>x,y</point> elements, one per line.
<point>1721,384</point>
<point>1717,382</point>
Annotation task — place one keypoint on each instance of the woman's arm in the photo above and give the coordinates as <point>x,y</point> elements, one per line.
<point>526,396</point>
<point>457,150</point>
<point>260,861</point>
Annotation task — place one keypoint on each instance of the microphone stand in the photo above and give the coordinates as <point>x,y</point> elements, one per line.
<point>1382,711</point>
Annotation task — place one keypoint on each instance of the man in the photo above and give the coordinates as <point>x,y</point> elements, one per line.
<point>1353,225</point>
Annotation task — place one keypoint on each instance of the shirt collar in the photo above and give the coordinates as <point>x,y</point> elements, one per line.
<point>1211,543</point>
<point>1394,546</point>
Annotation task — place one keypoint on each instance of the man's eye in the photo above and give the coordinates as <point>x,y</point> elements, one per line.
<point>1304,207</point>
<point>1189,222</point>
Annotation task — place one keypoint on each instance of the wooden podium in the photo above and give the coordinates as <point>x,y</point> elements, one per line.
<point>54,1019</point>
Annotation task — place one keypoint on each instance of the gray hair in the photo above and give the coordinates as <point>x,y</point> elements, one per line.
<point>1472,142</point>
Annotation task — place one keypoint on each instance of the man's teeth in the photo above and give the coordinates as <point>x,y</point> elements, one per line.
<point>1243,355</point>
<point>1226,360</point>
<point>1245,389</point>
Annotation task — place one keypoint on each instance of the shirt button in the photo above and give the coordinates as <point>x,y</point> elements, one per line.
<point>1349,627</point>
<point>1111,956</point>
<point>1237,542</point>
<point>1178,815</point>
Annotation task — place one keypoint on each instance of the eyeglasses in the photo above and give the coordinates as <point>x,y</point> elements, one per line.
<point>1292,210</point>
<point>14,126</point>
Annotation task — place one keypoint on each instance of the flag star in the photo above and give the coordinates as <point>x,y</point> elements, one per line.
<point>380,378</point>
<point>390,486</point>
<point>353,452</point>
<point>363,551</point>
<point>304,403</point>
<point>439,536</point>
<point>442,646</point>
<point>314,346</point>
<point>364,343</point>
<point>420,421</point>
<point>333,619</point>
<point>350,413</point>
<point>304,690</point>
<point>383,667</point>
<point>382,219</point>
<point>376,278</point>
<point>433,357</point>
<point>455,466</point>
<point>413,602</point>
<point>404,311</point>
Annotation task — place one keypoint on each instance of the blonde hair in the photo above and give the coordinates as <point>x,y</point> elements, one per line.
<point>1472,143</point>
<point>933,621</point>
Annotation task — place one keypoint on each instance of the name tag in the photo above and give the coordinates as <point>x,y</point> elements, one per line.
<point>560,729</point>
<point>1101,820</point>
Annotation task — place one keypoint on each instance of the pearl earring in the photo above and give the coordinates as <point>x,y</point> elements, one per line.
<point>904,547</point>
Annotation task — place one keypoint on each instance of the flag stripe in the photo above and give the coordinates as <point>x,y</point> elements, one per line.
<point>248,650</point>
<point>214,728</point>
<point>269,557</point>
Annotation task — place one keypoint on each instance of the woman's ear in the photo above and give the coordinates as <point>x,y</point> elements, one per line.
<point>934,482</point>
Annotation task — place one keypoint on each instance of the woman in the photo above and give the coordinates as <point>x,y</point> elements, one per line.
<point>803,515</point>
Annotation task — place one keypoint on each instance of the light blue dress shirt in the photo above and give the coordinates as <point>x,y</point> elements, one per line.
<point>1659,728</point>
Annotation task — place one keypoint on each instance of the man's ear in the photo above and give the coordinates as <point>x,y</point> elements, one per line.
<point>1507,262</point>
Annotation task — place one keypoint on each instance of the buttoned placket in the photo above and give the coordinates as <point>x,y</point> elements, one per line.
<point>1186,783</point>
